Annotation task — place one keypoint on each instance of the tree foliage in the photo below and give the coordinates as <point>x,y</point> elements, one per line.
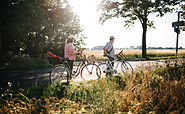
<point>183,15</point>
<point>35,26</point>
<point>134,10</point>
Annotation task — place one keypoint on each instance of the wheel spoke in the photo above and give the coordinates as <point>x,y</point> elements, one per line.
<point>126,67</point>
<point>90,71</point>
<point>103,68</point>
<point>59,74</point>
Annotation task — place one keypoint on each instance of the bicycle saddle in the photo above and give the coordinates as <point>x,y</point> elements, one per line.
<point>105,55</point>
<point>65,59</point>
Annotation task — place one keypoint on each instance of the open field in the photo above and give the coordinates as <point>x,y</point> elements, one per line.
<point>131,53</point>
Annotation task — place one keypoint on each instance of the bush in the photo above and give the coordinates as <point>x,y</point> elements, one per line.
<point>24,62</point>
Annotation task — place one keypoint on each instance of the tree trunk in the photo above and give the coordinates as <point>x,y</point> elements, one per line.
<point>1,59</point>
<point>0,40</point>
<point>144,25</point>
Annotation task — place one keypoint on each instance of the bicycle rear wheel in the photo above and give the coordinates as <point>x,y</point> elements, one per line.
<point>126,67</point>
<point>104,68</point>
<point>90,71</point>
<point>59,74</point>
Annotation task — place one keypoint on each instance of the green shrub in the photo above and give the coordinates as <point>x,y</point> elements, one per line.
<point>24,62</point>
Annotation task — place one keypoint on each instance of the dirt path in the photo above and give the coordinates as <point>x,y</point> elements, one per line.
<point>20,78</point>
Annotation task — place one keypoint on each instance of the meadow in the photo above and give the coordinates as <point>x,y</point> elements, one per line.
<point>136,54</point>
<point>152,89</point>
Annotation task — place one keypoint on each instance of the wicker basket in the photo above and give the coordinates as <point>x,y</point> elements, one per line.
<point>91,59</point>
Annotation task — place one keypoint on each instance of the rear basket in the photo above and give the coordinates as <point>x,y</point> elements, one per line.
<point>55,60</point>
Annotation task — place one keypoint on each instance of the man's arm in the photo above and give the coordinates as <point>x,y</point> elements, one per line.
<point>105,52</point>
<point>105,49</point>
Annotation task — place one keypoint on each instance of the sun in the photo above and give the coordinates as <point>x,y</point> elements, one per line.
<point>89,18</point>
<point>85,9</point>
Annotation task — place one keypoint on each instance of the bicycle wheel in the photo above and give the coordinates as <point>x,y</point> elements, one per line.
<point>126,67</point>
<point>90,71</point>
<point>104,68</point>
<point>59,74</point>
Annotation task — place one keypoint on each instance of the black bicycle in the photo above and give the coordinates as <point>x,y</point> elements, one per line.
<point>86,68</point>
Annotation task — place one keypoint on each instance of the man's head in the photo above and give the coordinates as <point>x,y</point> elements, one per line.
<point>112,38</point>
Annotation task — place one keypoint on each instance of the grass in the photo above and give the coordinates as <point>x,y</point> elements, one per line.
<point>151,89</point>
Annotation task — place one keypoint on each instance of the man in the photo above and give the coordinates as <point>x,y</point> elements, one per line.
<point>109,49</point>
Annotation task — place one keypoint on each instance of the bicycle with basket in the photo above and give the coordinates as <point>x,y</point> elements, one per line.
<point>86,68</point>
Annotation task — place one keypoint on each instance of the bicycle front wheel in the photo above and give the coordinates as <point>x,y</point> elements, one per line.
<point>90,72</point>
<point>59,74</point>
<point>126,67</point>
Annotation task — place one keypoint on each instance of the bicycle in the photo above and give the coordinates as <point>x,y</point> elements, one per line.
<point>62,72</point>
<point>107,68</point>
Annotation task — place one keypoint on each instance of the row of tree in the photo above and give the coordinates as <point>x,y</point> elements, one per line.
<point>33,27</point>
<point>135,48</point>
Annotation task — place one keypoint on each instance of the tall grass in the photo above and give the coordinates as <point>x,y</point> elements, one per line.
<point>151,89</point>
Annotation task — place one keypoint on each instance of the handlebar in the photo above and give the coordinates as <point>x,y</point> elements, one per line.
<point>120,52</point>
<point>116,54</point>
<point>82,55</point>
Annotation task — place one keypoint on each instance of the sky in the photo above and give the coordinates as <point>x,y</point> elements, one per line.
<point>98,34</point>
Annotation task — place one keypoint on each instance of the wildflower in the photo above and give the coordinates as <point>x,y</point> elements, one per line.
<point>9,84</point>
<point>83,110</point>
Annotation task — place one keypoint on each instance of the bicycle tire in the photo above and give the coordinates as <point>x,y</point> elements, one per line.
<point>126,67</point>
<point>90,71</point>
<point>103,68</point>
<point>59,74</point>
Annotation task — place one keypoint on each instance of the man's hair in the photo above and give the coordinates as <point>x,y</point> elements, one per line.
<point>112,37</point>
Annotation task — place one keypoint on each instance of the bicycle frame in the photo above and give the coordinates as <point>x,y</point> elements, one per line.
<point>110,64</point>
<point>119,59</point>
<point>78,69</point>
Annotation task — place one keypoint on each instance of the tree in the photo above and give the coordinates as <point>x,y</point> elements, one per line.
<point>133,10</point>
<point>19,18</point>
<point>62,23</point>
<point>183,15</point>
<point>33,27</point>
